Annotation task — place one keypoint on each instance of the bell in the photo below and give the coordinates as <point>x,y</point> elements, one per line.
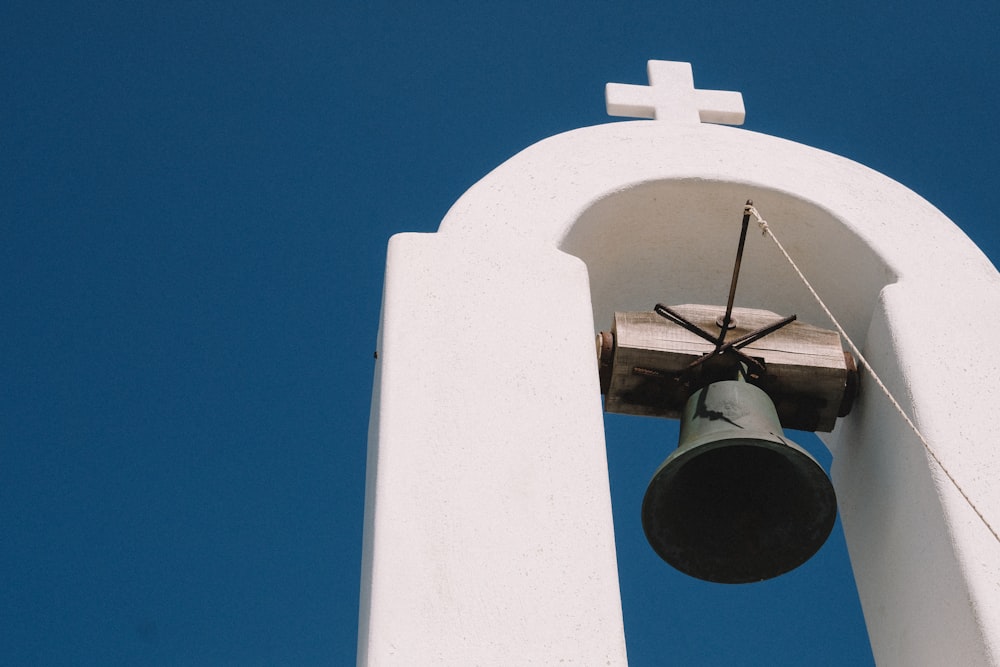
<point>737,502</point>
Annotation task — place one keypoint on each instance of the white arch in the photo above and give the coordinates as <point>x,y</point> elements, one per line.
<point>488,534</point>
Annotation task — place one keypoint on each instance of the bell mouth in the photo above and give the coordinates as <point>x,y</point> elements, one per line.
<point>738,510</point>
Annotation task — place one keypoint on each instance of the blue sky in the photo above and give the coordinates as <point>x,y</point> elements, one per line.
<point>194,206</point>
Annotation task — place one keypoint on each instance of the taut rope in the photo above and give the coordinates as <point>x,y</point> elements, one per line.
<point>766,229</point>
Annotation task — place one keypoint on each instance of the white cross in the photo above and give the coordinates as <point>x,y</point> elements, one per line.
<point>671,96</point>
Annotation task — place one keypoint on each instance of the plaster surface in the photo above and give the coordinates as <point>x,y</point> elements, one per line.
<point>488,534</point>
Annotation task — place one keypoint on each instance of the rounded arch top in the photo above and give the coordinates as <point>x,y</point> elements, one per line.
<point>653,208</point>
<point>539,195</point>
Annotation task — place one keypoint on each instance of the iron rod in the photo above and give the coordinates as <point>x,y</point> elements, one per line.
<point>676,318</point>
<point>727,318</point>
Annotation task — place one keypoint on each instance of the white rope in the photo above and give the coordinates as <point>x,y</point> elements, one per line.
<point>766,230</point>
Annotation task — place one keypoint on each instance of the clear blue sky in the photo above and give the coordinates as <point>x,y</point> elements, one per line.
<point>195,202</point>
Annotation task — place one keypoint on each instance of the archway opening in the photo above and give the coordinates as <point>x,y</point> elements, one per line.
<point>675,242</point>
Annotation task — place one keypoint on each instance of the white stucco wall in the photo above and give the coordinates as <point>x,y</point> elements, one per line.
<point>488,534</point>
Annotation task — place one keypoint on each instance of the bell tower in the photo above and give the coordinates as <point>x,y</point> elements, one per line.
<point>488,531</point>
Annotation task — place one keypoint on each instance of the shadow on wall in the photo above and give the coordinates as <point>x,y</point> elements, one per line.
<point>675,242</point>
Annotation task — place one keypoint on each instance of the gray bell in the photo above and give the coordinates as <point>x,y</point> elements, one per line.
<point>737,502</point>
